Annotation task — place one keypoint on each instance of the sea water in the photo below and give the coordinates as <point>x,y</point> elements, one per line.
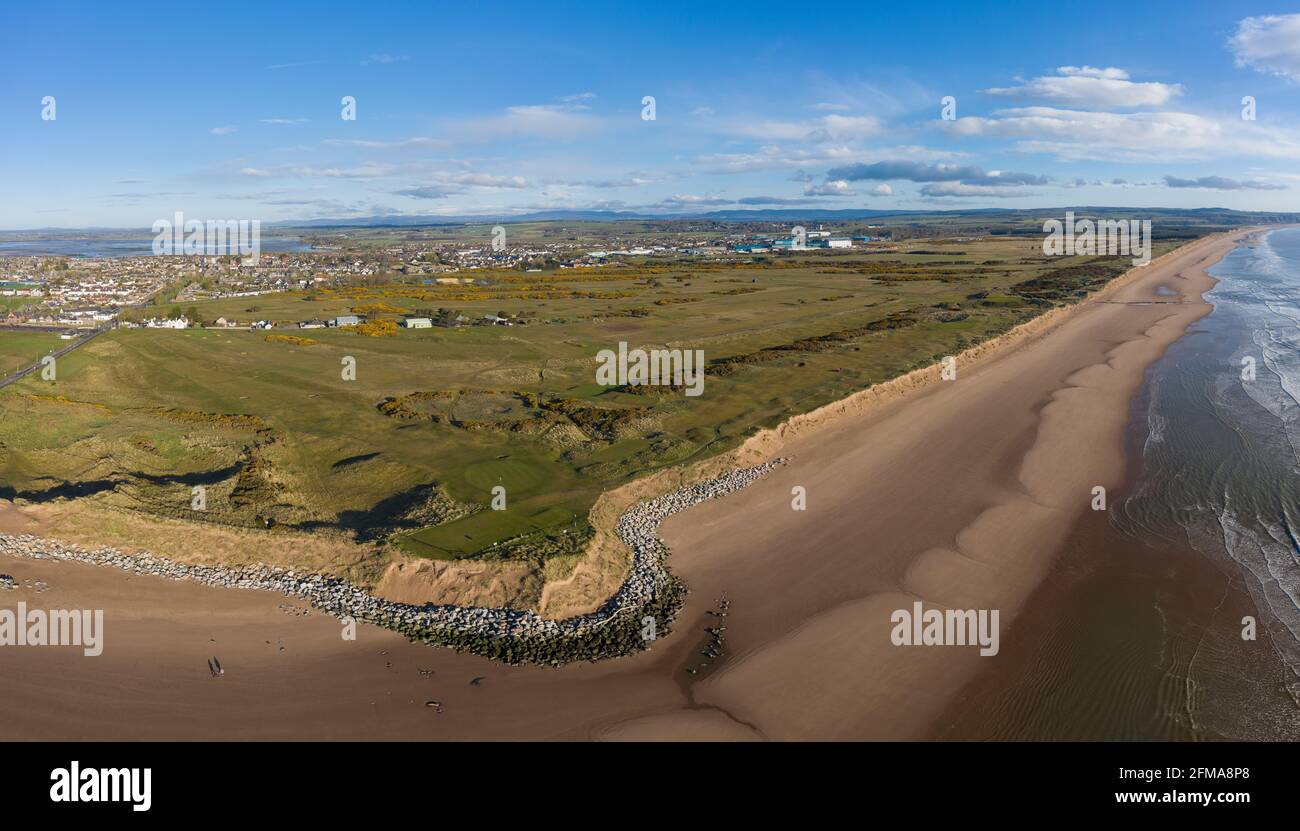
<point>1220,466</point>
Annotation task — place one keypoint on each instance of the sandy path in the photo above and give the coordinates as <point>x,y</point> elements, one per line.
<point>958,494</point>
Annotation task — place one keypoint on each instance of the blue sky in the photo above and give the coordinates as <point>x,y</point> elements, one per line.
<point>232,110</point>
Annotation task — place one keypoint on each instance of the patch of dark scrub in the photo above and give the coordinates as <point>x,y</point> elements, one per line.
<point>542,413</point>
<point>661,389</point>
<point>1071,281</point>
<point>818,343</point>
<point>202,477</point>
<point>355,460</point>
<point>63,490</point>
<point>255,485</point>
<point>410,510</point>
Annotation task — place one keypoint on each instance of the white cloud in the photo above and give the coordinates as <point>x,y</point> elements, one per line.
<point>842,127</point>
<point>1085,71</point>
<point>1087,86</point>
<point>1269,44</point>
<point>254,171</point>
<point>777,157</point>
<point>835,187</point>
<point>443,184</point>
<point>828,128</point>
<point>1142,136</point>
<point>415,141</point>
<point>626,182</point>
<point>882,190</point>
<point>223,131</point>
<point>686,199</point>
<point>366,170</point>
<point>485,180</point>
<point>552,121</point>
<point>940,189</point>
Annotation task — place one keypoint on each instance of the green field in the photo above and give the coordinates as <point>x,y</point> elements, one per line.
<point>278,438</point>
<point>21,349</point>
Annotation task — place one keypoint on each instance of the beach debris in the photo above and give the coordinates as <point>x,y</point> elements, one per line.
<point>436,705</point>
<point>7,582</point>
<point>474,682</point>
<point>215,668</point>
<point>425,673</point>
<point>714,648</point>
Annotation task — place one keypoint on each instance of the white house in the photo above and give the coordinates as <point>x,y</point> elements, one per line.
<point>417,323</point>
<point>167,323</point>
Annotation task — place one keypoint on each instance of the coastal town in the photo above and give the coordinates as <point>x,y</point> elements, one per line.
<point>89,292</point>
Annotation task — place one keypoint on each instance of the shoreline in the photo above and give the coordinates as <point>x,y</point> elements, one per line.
<point>1135,636</point>
<point>943,495</point>
<point>1129,639</point>
<point>982,480</point>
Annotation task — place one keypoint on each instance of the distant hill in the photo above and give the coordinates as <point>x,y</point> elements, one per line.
<point>971,219</point>
<point>1213,216</point>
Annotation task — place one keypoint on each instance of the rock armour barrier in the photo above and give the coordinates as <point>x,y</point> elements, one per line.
<point>510,635</point>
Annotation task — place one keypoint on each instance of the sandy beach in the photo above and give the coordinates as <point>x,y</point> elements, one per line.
<point>958,493</point>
